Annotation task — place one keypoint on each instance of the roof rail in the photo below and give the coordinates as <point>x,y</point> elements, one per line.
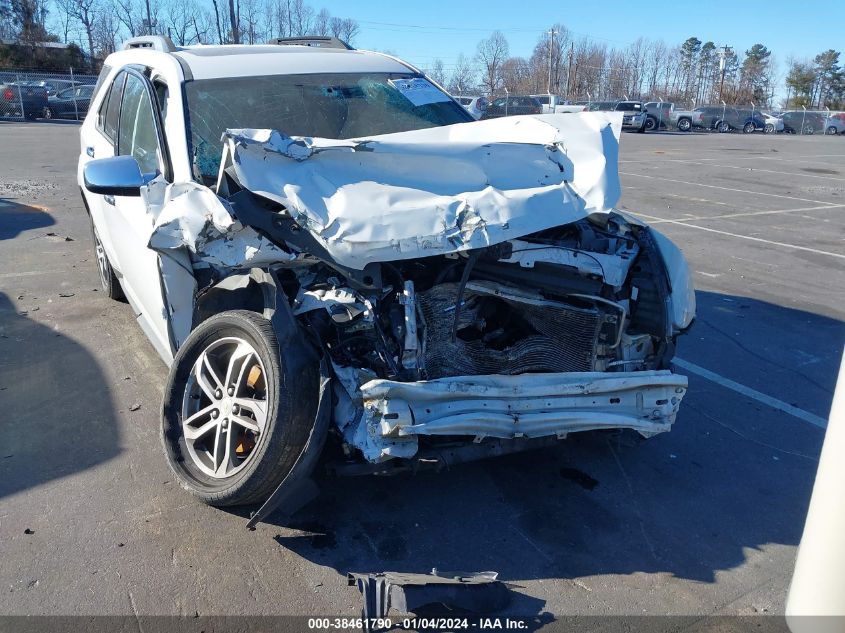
<point>317,41</point>
<point>156,42</point>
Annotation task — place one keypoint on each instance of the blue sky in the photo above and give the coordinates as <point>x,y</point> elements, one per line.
<point>445,29</point>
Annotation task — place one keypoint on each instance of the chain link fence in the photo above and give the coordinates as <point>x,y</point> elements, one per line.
<point>45,94</point>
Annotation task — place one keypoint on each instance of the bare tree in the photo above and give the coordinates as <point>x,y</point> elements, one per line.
<point>251,19</point>
<point>515,74</point>
<point>437,72</point>
<point>106,29</point>
<point>84,12</point>
<point>321,23</point>
<point>491,54</point>
<point>233,21</point>
<point>301,17</point>
<point>351,28</point>
<point>463,76</point>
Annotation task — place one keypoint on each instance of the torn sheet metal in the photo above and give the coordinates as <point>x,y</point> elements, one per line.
<point>438,190</point>
<point>477,593</point>
<point>193,217</point>
<point>506,407</point>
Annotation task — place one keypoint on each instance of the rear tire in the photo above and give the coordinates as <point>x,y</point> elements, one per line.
<point>108,278</point>
<point>809,129</point>
<point>48,113</point>
<point>769,128</point>
<point>748,128</point>
<point>684,125</point>
<point>723,127</point>
<point>831,130</point>
<point>650,124</point>
<point>261,426</point>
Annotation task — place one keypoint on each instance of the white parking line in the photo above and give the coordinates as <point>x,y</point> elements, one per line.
<point>746,214</point>
<point>744,237</point>
<point>780,405</point>
<point>699,184</point>
<point>766,171</point>
<point>31,273</point>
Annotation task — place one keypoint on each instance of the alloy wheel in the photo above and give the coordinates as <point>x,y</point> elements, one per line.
<point>224,408</point>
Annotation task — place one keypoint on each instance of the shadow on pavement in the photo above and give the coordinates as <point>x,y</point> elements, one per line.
<point>16,218</point>
<point>733,475</point>
<point>57,416</point>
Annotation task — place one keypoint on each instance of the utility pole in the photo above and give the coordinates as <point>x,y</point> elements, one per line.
<point>551,33</point>
<point>569,72</point>
<point>149,19</point>
<point>724,51</point>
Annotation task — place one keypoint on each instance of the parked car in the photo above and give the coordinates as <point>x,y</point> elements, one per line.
<point>22,99</point>
<point>514,104</point>
<point>367,280</point>
<point>835,124</point>
<point>801,122</point>
<point>554,104</point>
<point>71,103</point>
<point>772,123</point>
<point>634,117</point>
<point>476,106</point>
<point>727,119</point>
<point>55,86</point>
<point>682,119</point>
<point>659,115</point>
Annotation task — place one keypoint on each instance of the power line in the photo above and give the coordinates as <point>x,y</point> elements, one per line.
<point>422,28</point>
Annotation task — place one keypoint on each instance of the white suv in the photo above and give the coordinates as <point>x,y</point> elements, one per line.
<point>325,247</point>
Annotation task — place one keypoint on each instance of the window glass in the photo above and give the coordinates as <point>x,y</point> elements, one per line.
<point>110,109</point>
<point>101,79</point>
<point>342,105</point>
<point>137,136</point>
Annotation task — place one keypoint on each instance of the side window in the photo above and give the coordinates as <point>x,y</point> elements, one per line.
<point>499,103</point>
<point>161,97</point>
<point>101,79</point>
<point>137,134</point>
<point>110,108</point>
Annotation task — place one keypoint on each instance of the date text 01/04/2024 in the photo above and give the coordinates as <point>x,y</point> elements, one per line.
<point>418,624</point>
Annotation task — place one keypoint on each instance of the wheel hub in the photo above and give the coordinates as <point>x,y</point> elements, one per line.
<point>224,408</point>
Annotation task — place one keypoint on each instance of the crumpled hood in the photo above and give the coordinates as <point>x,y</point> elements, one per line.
<point>435,191</point>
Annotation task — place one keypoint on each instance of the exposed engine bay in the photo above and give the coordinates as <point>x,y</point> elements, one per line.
<point>464,302</point>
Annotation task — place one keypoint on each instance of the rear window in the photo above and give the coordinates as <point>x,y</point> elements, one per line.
<point>543,100</point>
<point>101,79</point>
<point>110,109</point>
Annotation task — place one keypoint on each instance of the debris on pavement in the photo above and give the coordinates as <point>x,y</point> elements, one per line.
<point>478,593</point>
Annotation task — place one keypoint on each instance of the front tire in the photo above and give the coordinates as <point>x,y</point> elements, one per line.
<point>723,127</point>
<point>48,113</point>
<point>769,128</point>
<point>232,417</point>
<point>748,128</point>
<point>831,130</point>
<point>684,125</point>
<point>650,124</point>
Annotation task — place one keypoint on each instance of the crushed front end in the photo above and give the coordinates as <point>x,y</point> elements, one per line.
<point>470,286</point>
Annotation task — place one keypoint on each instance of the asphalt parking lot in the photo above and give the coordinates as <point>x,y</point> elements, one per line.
<point>703,520</point>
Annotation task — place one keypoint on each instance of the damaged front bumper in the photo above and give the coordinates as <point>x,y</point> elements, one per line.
<point>393,415</point>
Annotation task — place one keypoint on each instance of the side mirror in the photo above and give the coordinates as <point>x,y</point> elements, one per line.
<point>116,176</point>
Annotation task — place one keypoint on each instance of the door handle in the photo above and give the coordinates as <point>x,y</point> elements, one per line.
<point>109,200</point>
<point>90,151</point>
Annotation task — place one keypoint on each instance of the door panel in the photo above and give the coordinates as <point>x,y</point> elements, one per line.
<point>131,219</point>
<point>99,143</point>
